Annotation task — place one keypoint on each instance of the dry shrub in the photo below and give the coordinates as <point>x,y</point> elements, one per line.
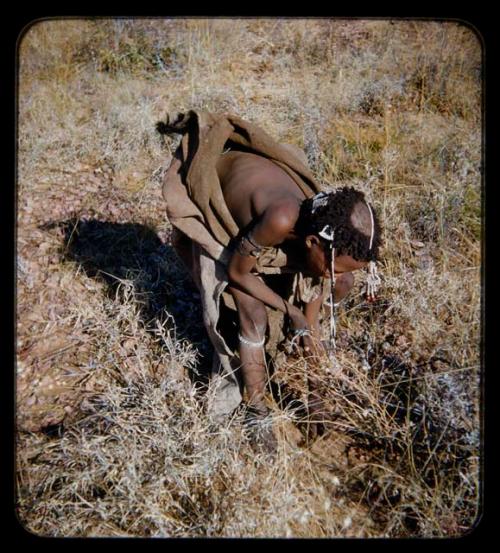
<point>142,458</point>
<point>113,439</point>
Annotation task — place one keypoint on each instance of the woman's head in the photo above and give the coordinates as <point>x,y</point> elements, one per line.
<point>343,219</point>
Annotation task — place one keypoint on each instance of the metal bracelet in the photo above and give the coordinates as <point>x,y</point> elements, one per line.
<point>297,334</point>
<point>302,332</point>
<point>248,247</point>
<point>251,343</point>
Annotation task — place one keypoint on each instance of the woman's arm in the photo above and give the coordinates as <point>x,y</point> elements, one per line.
<point>272,229</point>
<point>312,311</point>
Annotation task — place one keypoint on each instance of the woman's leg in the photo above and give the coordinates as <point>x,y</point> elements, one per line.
<point>183,246</point>
<point>253,324</point>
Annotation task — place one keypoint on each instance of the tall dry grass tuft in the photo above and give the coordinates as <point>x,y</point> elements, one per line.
<point>113,437</point>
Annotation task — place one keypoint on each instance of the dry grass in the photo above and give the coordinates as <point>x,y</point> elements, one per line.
<point>113,440</point>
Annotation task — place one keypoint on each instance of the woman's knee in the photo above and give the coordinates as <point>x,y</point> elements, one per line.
<point>253,319</point>
<point>343,285</point>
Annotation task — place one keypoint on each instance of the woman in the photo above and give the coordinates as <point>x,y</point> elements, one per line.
<point>252,206</point>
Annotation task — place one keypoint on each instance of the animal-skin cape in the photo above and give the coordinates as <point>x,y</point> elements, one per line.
<point>196,209</point>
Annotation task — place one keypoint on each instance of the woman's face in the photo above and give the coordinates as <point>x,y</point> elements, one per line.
<point>318,261</point>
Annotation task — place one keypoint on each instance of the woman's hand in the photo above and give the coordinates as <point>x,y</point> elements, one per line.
<point>297,318</point>
<point>311,344</point>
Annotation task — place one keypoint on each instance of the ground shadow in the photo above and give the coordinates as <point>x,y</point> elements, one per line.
<point>113,252</point>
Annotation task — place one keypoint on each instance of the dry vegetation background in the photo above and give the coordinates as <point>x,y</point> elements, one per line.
<point>112,439</point>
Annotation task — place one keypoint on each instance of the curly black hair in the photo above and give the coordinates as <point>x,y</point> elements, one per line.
<point>337,211</point>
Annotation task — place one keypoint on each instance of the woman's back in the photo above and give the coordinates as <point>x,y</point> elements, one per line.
<point>251,183</point>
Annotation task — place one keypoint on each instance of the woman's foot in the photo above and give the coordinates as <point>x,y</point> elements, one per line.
<point>259,429</point>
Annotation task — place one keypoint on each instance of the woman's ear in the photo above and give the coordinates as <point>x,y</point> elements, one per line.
<point>312,239</point>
